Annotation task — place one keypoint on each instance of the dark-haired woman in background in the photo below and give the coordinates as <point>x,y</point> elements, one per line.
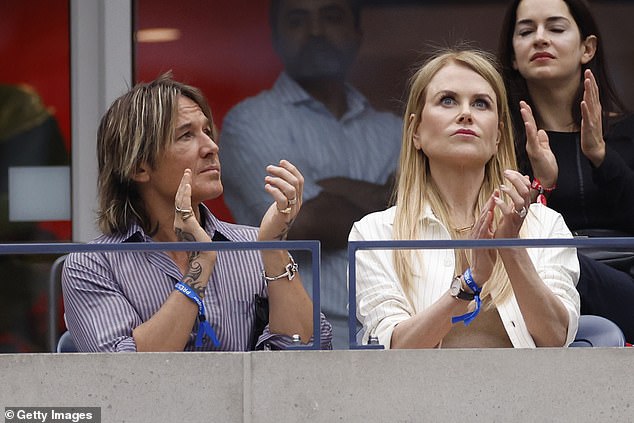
<point>574,134</point>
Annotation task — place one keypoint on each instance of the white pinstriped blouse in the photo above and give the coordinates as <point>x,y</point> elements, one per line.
<point>108,294</point>
<point>382,304</point>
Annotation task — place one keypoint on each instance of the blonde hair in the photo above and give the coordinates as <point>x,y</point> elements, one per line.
<point>136,129</point>
<point>415,187</point>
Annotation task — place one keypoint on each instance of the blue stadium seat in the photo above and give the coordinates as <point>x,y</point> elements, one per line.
<point>596,331</point>
<point>54,287</point>
<point>66,344</point>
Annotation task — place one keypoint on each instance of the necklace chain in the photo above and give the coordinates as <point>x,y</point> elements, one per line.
<point>464,229</point>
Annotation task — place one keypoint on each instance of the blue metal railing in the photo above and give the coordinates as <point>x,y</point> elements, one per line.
<point>354,246</point>
<point>312,246</point>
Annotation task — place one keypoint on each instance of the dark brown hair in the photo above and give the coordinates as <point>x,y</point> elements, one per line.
<point>516,85</point>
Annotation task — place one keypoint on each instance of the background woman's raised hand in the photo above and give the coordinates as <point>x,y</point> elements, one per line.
<point>592,142</point>
<point>543,161</point>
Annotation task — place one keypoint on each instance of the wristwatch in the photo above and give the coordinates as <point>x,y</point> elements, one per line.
<point>456,291</point>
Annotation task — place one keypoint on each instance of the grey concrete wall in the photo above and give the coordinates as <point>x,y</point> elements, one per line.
<point>545,385</point>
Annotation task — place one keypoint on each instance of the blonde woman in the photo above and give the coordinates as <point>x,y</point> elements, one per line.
<point>457,179</point>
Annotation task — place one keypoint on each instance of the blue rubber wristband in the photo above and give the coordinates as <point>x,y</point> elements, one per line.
<point>467,318</point>
<point>468,278</point>
<point>204,328</point>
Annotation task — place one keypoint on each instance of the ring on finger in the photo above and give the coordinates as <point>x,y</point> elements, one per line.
<point>287,210</point>
<point>179,210</point>
<point>292,201</point>
<point>185,213</point>
<point>521,213</point>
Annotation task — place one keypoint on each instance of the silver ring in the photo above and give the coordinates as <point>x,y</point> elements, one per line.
<point>292,202</point>
<point>521,213</point>
<point>287,210</point>
<point>185,213</point>
<point>178,209</point>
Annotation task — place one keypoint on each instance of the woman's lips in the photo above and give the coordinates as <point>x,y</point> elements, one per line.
<point>542,55</point>
<point>465,132</point>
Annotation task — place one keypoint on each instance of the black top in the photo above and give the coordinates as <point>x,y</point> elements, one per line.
<point>590,197</point>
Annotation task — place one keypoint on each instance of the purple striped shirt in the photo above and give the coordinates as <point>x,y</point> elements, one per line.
<point>106,294</point>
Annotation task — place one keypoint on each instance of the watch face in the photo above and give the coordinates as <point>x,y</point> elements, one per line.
<point>454,288</point>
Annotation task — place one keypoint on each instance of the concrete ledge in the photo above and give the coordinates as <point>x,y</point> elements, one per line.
<point>553,385</point>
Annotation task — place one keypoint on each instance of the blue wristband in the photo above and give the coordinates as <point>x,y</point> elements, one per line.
<point>468,278</point>
<point>467,318</point>
<point>204,328</point>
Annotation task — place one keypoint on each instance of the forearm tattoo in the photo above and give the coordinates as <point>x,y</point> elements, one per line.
<point>282,235</point>
<point>192,277</point>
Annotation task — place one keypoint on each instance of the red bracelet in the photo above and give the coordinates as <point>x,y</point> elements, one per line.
<point>537,185</point>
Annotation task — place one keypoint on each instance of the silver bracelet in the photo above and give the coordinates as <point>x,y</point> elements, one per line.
<point>291,271</point>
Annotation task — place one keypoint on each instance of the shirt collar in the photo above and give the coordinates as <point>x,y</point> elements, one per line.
<point>427,214</point>
<point>212,225</point>
<point>291,92</point>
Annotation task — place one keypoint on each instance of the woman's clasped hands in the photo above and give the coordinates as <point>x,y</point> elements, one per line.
<point>512,200</point>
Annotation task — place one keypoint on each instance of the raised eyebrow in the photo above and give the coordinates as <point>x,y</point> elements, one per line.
<point>445,93</point>
<point>183,127</point>
<point>484,95</point>
<point>450,93</point>
<point>188,125</point>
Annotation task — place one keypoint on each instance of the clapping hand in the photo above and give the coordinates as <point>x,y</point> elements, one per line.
<point>482,259</point>
<point>515,208</point>
<point>285,184</point>
<point>592,143</point>
<point>513,212</point>
<point>543,161</point>
<point>186,224</point>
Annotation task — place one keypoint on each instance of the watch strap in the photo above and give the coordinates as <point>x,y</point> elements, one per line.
<point>458,282</point>
<point>464,295</point>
